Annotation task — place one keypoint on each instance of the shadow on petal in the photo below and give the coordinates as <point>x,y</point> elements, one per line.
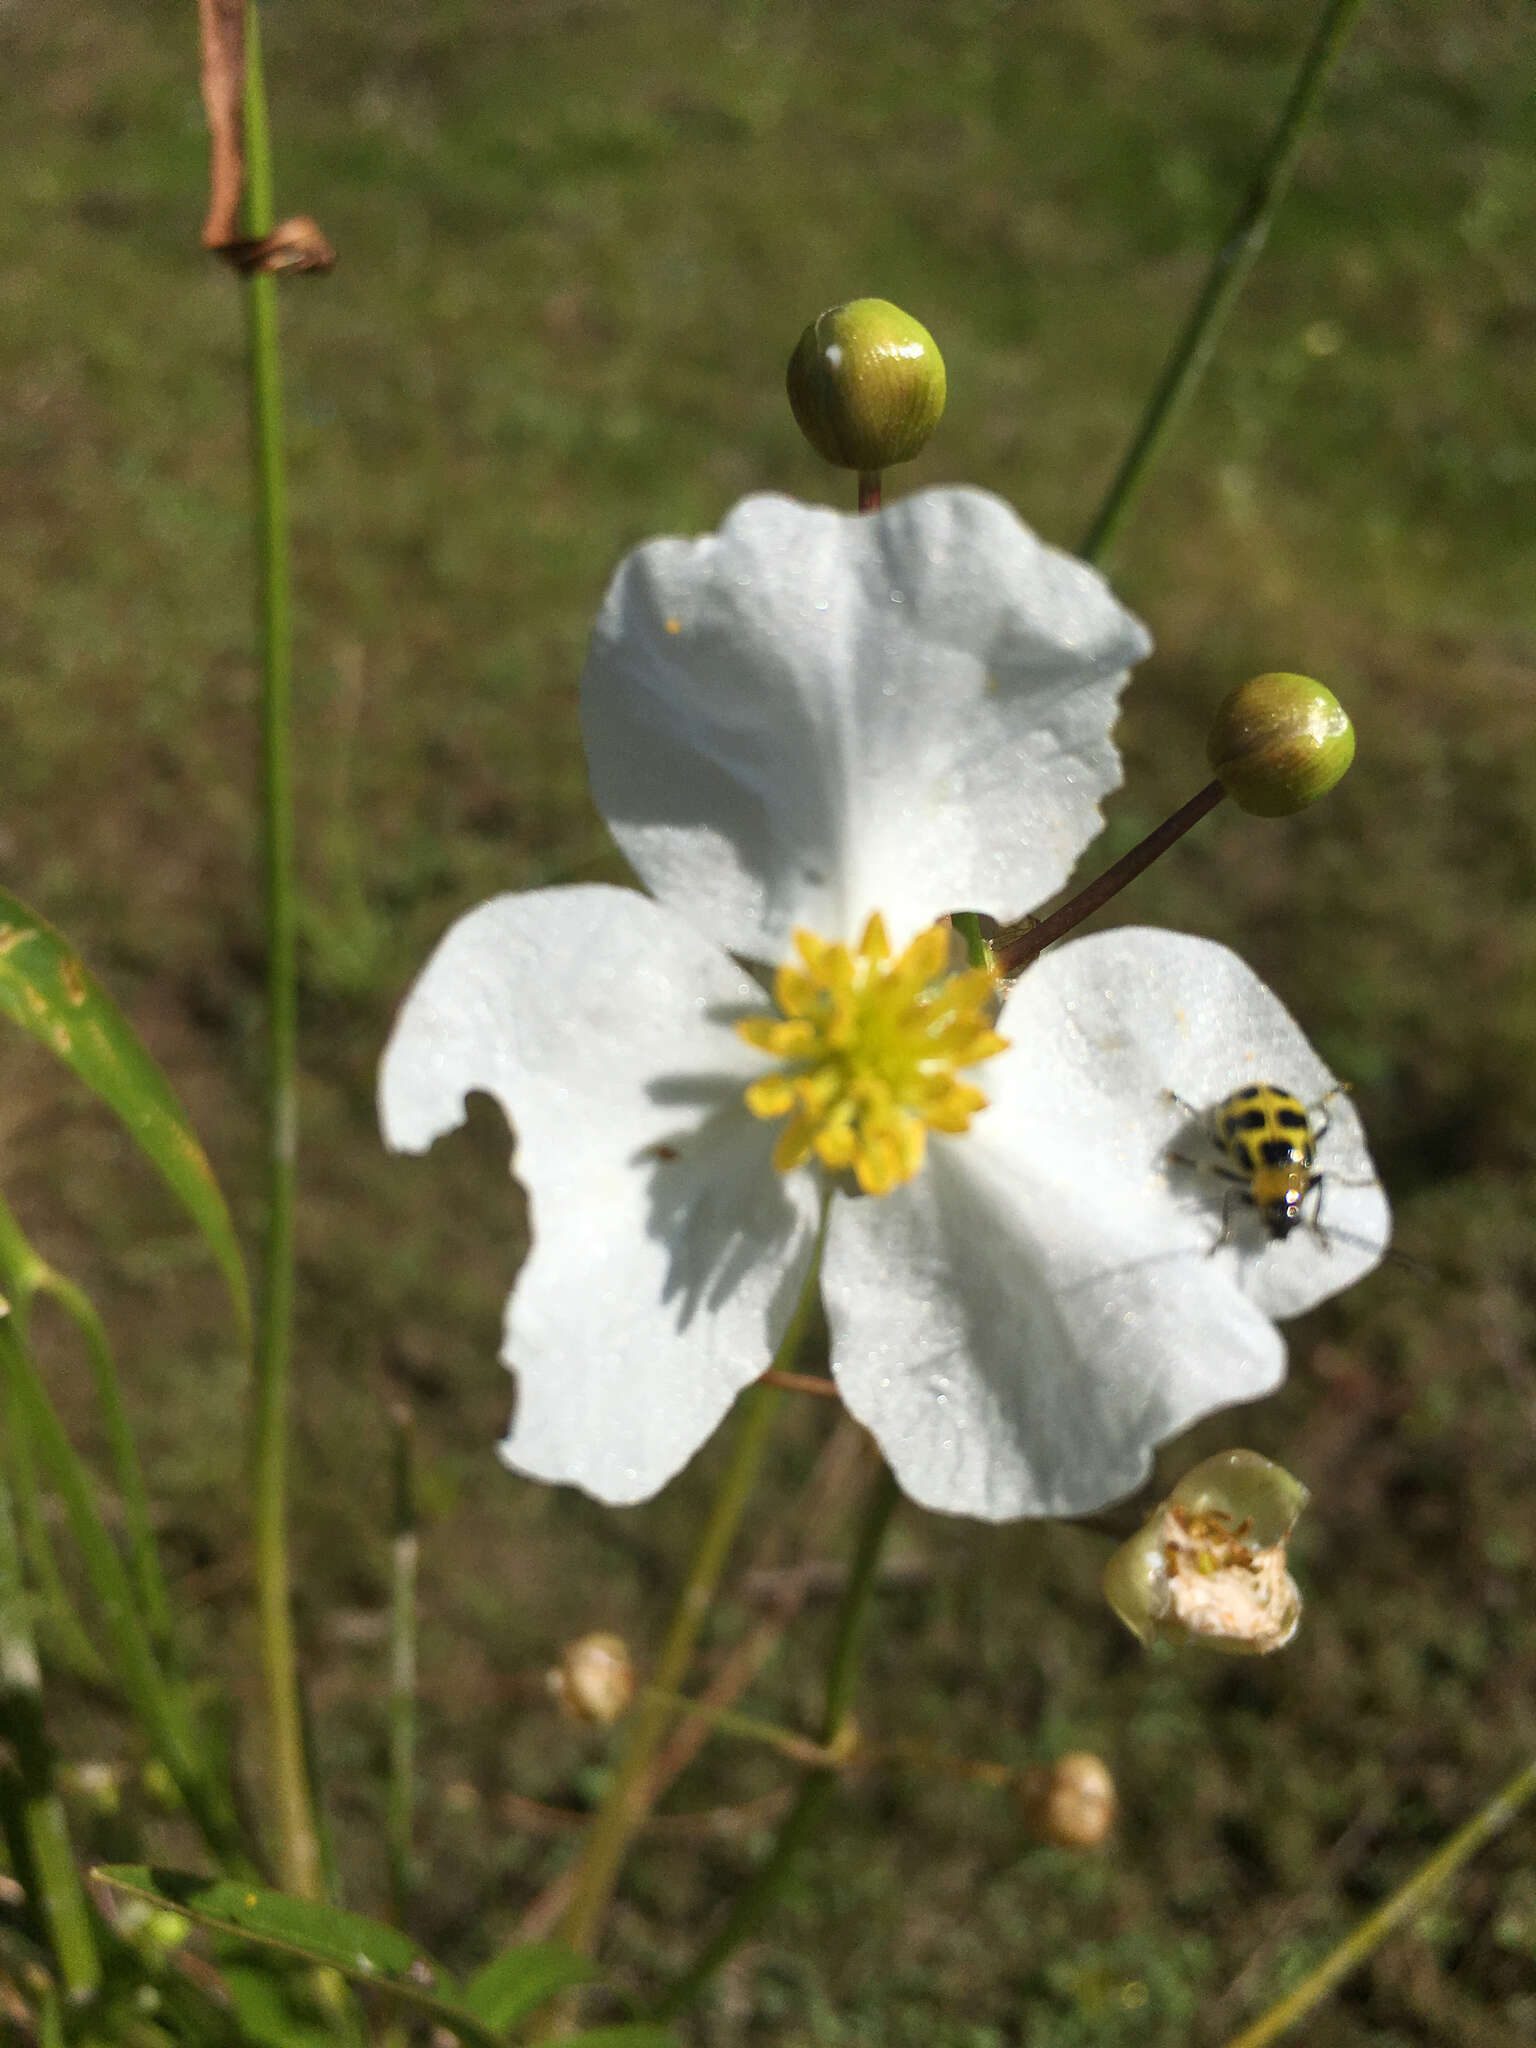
<point>715,1200</point>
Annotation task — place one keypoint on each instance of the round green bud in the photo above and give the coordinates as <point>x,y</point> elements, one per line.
<point>866,385</point>
<point>1278,743</point>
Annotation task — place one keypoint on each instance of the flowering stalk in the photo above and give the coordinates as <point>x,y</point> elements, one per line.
<point>1230,266</point>
<point>1187,364</point>
<point>625,1806</point>
<point>1277,743</point>
<point>299,1859</point>
<point>623,1810</point>
<point>1410,1898</point>
<point>816,1789</point>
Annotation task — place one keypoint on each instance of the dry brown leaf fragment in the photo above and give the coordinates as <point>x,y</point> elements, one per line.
<point>221,24</point>
<point>296,244</point>
<point>293,245</point>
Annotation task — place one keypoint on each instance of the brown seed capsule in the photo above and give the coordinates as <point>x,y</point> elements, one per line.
<point>595,1678</point>
<point>866,385</point>
<point>1278,743</point>
<point>1070,1803</point>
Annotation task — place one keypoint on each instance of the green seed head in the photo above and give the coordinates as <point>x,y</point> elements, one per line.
<point>1278,743</point>
<point>866,385</point>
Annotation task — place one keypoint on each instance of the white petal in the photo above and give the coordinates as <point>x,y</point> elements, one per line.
<point>667,1255</point>
<point>1025,1321</point>
<point>1017,1343</point>
<point>810,715</point>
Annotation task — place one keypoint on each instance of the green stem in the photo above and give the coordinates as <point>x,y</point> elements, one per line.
<point>41,1849</point>
<point>67,1639</point>
<point>850,1755</point>
<point>1229,268</point>
<point>1408,1899</point>
<point>51,2021</point>
<point>142,1553</point>
<point>625,1806</point>
<point>155,1703</point>
<point>404,1546</point>
<point>858,1600</point>
<point>753,1728</point>
<point>817,1787</point>
<point>27,1274</point>
<point>299,1849</point>
<point>977,952</point>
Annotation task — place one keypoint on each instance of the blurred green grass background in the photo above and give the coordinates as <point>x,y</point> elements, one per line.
<point>577,240</point>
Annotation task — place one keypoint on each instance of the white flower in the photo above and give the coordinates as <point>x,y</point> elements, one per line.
<point>800,724</point>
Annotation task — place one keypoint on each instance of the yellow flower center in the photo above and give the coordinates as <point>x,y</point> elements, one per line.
<point>870,1049</point>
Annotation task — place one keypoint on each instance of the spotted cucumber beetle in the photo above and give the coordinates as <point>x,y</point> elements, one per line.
<point>1267,1140</point>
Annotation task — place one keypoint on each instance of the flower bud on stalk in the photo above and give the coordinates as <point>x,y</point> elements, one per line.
<point>595,1678</point>
<point>1070,1803</point>
<point>866,385</point>
<point>1209,1566</point>
<point>1278,743</point>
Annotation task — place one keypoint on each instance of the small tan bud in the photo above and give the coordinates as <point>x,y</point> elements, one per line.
<point>595,1678</point>
<point>866,385</point>
<point>1070,1803</point>
<point>1209,1566</point>
<point>1278,743</point>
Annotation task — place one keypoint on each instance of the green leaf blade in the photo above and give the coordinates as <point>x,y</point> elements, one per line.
<point>523,1979</point>
<point>361,1950</point>
<point>631,2034</point>
<point>320,1934</point>
<point>47,990</point>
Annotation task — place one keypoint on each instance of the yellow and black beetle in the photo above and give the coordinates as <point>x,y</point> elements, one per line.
<point>1267,1140</point>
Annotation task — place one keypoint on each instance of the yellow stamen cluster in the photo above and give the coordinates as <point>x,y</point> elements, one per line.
<point>870,1047</point>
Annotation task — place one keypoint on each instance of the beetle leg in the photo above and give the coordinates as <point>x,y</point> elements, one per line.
<point>1315,1189</point>
<point>1318,1109</point>
<point>1226,1234</point>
